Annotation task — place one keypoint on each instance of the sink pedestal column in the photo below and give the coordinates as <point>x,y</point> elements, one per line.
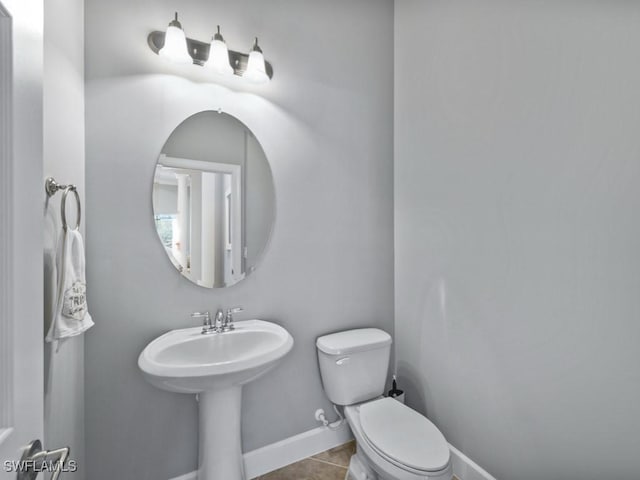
<point>220,449</point>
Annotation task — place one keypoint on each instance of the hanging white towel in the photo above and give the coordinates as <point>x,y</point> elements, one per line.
<point>71,316</point>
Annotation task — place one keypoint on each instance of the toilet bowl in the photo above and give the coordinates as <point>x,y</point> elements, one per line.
<point>394,442</point>
<point>397,442</point>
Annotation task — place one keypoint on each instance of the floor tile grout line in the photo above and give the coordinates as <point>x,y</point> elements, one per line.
<point>328,463</point>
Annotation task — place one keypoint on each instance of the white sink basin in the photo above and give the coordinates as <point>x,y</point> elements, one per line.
<point>215,366</point>
<point>186,361</point>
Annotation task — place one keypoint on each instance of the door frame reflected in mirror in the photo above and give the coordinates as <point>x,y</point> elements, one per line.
<point>232,218</point>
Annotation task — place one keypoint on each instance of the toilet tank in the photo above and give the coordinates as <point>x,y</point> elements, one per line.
<point>353,364</point>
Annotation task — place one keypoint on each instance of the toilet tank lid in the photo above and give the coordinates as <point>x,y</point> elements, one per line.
<point>351,341</point>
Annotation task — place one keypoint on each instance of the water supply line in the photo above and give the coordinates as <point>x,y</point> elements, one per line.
<point>321,417</point>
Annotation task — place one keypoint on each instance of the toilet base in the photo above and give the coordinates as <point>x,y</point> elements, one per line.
<point>359,469</point>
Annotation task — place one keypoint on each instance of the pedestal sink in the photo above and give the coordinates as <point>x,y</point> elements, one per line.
<point>215,366</point>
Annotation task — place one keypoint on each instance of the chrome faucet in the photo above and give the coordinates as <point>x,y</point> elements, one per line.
<point>219,321</point>
<point>222,322</point>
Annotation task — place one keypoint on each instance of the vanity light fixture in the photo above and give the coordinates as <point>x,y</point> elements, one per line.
<point>175,44</point>
<point>218,60</point>
<point>177,47</point>
<point>256,69</point>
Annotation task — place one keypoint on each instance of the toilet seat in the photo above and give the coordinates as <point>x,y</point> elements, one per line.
<point>403,436</point>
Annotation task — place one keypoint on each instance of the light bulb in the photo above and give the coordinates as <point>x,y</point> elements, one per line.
<point>175,44</point>
<point>256,69</point>
<point>218,60</point>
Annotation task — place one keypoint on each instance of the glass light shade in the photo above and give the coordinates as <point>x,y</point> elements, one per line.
<point>175,46</point>
<point>256,70</point>
<point>219,58</point>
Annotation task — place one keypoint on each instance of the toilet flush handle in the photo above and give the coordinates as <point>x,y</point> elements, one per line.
<point>343,361</point>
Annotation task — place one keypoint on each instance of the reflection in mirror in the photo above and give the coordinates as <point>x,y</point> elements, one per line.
<point>213,199</point>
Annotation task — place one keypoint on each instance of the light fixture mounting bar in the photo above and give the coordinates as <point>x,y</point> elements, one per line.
<point>200,53</point>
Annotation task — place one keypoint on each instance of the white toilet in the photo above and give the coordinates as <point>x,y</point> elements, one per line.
<point>394,441</point>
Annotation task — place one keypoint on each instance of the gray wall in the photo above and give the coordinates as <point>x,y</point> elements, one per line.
<point>259,202</point>
<point>63,104</point>
<point>329,266</point>
<point>517,230</point>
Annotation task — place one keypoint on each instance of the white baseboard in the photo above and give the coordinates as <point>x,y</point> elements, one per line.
<point>187,476</point>
<point>466,469</point>
<point>290,450</point>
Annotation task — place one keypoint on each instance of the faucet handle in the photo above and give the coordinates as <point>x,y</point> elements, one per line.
<point>205,315</point>
<point>228,318</point>
<point>206,324</point>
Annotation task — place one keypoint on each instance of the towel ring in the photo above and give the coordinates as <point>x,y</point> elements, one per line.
<point>51,187</point>
<point>63,207</point>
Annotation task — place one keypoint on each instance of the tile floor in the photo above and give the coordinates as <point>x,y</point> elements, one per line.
<point>329,465</point>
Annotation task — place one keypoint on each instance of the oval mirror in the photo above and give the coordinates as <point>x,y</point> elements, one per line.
<point>213,199</point>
